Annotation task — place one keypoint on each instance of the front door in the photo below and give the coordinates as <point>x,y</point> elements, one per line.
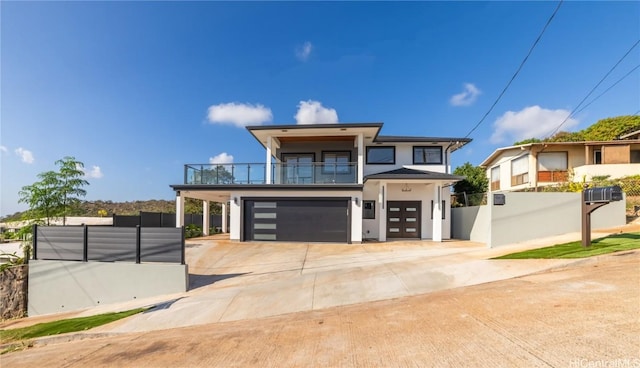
<point>403,219</point>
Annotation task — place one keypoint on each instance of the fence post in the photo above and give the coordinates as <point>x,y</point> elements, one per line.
<point>182,240</point>
<point>35,241</point>
<point>85,245</point>
<point>138,257</point>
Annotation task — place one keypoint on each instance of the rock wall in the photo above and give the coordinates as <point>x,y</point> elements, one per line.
<point>13,292</point>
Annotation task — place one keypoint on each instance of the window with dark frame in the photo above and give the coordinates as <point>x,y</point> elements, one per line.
<point>298,168</point>
<point>427,155</point>
<point>381,155</point>
<point>368,209</point>
<point>337,162</point>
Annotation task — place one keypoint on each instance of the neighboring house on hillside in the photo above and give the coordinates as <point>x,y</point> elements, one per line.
<point>538,164</point>
<point>331,183</point>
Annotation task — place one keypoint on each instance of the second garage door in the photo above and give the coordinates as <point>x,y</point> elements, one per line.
<point>300,219</point>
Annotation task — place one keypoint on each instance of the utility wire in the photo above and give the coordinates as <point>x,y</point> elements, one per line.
<point>518,70</point>
<point>593,89</point>
<point>607,90</point>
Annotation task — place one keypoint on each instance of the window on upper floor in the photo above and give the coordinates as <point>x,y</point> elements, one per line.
<point>520,170</point>
<point>297,168</point>
<point>381,155</point>
<point>552,167</point>
<point>336,162</point>
<point>495,178</point>
<point>425,155</point>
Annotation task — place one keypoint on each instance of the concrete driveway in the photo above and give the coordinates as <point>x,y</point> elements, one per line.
<point>582,315</point>
<point>232,281</point>
<point>238,281</point>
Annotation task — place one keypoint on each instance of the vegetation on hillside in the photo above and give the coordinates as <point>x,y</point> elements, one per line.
<point>603,130</point>
<point>102,208</point>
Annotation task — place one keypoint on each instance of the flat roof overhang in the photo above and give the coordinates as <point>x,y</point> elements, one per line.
<point>343,132</point>
<point>222,193</point>
<point>315,132</point>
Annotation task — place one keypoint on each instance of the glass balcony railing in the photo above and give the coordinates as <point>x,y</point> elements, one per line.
<point>281,173</point>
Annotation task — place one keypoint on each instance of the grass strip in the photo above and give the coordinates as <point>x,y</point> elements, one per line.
<point>609,244</point>
<point>63,326</point>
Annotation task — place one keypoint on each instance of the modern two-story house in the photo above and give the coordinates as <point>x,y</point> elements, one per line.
<point>547,163</point>
<point>331,183</point>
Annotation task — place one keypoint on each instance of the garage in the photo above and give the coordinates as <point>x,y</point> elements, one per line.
<point>297,219</point>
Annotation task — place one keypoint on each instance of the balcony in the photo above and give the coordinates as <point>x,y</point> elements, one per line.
<point>281,173</point>
<point>613,171</point>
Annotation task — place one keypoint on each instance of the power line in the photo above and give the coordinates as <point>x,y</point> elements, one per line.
<point>518,70</point>
<point>607,90</point>
<point>594,88</point>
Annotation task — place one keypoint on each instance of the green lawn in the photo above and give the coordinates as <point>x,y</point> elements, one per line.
<point>609,244</point>
<point>63,326</point>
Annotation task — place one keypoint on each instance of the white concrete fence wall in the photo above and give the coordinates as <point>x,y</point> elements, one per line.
<point>61,286</point>
<point>528,216</point>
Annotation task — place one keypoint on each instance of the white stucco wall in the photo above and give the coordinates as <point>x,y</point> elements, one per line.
<point>404,158</point>
<point>614,171</point>
<point>61,286</point>
<point>527,216</point>
<point>419,192</point>
<point>370,227</point>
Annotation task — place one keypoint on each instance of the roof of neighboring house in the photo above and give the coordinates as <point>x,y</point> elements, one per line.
<point>633,135</point>
<point>342,131</point>
<point>410,174</point>
<point>530,146</point>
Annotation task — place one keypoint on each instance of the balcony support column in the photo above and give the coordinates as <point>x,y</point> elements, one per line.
<point>360,143</point>
<point>224,218</point>
<point>268,167</point>
<point>437,213</point>
<point>179,209</point>
<point>205,218</point>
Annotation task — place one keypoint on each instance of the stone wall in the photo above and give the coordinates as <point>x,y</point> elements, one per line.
<point>13,292</point>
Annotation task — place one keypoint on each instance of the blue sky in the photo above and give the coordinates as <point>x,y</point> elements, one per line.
<point>135,90</point>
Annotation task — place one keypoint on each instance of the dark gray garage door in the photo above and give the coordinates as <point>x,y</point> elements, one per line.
<point>312,220</point>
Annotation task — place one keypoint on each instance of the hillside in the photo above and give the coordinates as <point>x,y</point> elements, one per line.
<point>603,130</point>
<point>91,208</point>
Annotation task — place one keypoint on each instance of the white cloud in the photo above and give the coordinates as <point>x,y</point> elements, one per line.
<point>466,97</point>
<point>223,158</point>
<point>95,173</point>
<point>3,148</point>
<point>312,112</point>
<point>239,114</point>
<point>530,122</point>
<point>303,52</point>
<point>25,155</point>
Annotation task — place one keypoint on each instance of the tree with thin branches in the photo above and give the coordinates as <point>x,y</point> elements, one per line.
<point>57,192</point>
